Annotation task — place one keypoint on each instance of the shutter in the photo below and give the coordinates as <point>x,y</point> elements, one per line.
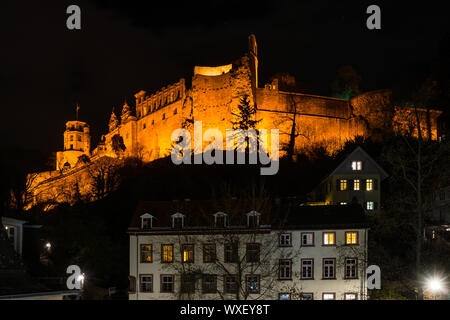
<point>338,185</point>
<point>375,184</point>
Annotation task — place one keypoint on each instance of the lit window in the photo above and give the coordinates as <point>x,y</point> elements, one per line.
<point>350,296</point>
<point>167,253</point>
<point>252,254</point>
<point>231,252</point>
<point>329,238</point>
<point>329,268</point>
<point>369,205</point>
<point>209,284</point>
<point>285,296</point>
<point>356,184</point>
<point>329,296</point>
<point>146,253</point>
<point>307,239</point>
<point>146,283</point>
<point>350,268</point>
<point>188,253</point>
<point>285,240</point>
<point>369,184</point>
<point>351,238</point>
<point>167,283</point>
<point>253,283</point>
<point>307,268</point>
<point>343,203</point>
<point>343,185</point>
<point>285,269</point>
<point>356,165</point>
<point>230,284</point>
<point>209,253</point>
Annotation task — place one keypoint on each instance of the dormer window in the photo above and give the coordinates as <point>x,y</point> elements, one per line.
<point>356,165</point>
<point>253,219</point>
<point>220,219</point>
<point>177,220</point>
<point>146,221</point>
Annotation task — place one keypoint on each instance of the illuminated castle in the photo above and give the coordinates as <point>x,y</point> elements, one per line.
<point>213,98</point>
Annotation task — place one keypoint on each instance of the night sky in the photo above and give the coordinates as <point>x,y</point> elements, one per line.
<point>124,47</point>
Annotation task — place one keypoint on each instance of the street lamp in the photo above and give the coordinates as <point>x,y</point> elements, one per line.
<point>435,285</point>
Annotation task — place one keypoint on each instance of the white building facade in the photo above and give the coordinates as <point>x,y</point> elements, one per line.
<point>171,257</point>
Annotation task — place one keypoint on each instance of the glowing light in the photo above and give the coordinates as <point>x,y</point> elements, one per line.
<point>80,277</point>
<point>434,284</point>
<point>48,245</point>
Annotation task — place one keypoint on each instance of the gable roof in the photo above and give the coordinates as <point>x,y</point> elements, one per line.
<point>360,154</point>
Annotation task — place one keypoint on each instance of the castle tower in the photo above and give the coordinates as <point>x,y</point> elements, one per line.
<point>77,142</point>
<point>253,55</point>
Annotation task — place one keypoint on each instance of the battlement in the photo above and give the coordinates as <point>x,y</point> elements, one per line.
<point>212,71</point>
<point>167,95</point>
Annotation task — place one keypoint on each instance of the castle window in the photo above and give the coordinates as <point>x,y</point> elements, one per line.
<point>370,205</point>
<point>71,147</point>
<point>71,138</point>
<point>146,253</point>
<point>356,183</point>
<point>79,138</point>
<point>146,282</point>
<point>351,265</point>
<point>351,237</point>
<point>356,165</point>
<point>175,111</point>
<point>209,253</point>
<point>164,116</point>
<point>329,239</point>
<point>143,126</point>
<point>188,253</point>
<point>231,252</point>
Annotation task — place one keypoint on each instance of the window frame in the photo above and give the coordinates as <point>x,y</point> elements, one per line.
<point>213,260</point>
<point>161,283</point>
<point>323,239</point>
<point>356,182</point>
<point>140,282</point>
<point>307,245</point>
<point>193,252</point>
<point>343,184</point>
<point>141,251</point>
<point>332,293</point>
<point>323,269</point>
<point>279,269</point>
<point>225,251</point>
<point>203,283</point>
<point>259,283</point>
<point>162,252</point>
<point>356,268</point>
<point>290,240</point>
<point>303,293</point>
<point>247,256</point>
<point>371,183</point>
<point>225,284</point>
<point>183,281</point>
<point>302,277</point>
<point>346,293</point>
<point>357,238</point>
<point>284,293</point>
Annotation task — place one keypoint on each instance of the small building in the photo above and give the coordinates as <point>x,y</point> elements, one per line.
<point>217,250</point>
<point>357,179</point>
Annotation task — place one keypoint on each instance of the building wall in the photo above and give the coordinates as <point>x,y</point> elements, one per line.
<point>340,286</point>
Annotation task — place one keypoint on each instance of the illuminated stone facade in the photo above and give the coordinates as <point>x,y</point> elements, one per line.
<point>213,97</point>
